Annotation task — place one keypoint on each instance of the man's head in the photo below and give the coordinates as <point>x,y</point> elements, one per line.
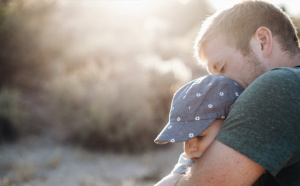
<point>256,30</point>
<point>239,23</point>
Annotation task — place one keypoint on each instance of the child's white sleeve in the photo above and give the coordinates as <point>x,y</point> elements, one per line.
<point>184,163</point>
<point>182,166</point>
<point>169,180</point>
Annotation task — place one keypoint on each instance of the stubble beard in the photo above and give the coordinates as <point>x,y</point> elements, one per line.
<point>256,67</point>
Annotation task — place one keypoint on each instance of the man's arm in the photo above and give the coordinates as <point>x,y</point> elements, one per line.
<point>222,165</point>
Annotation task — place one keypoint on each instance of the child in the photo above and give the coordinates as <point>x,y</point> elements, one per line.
<point>197,113</point>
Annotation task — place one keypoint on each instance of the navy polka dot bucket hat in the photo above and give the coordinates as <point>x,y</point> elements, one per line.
<point>196,105</point>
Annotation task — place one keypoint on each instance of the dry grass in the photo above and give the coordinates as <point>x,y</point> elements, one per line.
<point>112,111</point>
<point>54,161</point>
<point>40,163</point>
<point>25,171</point>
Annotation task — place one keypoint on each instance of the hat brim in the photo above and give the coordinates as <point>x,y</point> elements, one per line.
<point>182,131</point>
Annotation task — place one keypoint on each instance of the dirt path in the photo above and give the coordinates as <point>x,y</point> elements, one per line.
<point>41,162</point>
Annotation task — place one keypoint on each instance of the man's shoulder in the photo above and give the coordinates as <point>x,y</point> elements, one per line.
<point>280,84</point>
<point>277,77</point>
<point>282,72</point>
<point>285,71</point>
<point>264,120</point>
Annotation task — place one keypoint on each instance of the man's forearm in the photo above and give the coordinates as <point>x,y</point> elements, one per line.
<point>221,165</point>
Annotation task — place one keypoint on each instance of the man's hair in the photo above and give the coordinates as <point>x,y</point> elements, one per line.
<point>239,23</point>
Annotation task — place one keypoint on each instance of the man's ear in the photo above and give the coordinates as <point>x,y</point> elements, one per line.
<point>264,37</point>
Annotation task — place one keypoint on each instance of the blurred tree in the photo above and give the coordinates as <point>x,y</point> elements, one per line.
<point>23,59</point>
<point>296,20</point>
<point>183,17</point>
<point>183,22</point>
<point>7,131</point>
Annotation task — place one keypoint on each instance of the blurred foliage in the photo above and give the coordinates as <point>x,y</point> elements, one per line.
<point>115,92</point>
<point>13,116</point>
<point>100,74</point>
<point>296,20</point>
<point>112,108</point>
<point>23,58</point>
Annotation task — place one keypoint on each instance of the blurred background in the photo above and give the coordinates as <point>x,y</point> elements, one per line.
<point>86,86</point>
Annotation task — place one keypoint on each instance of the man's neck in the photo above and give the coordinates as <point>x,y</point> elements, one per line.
<point>295,61</point>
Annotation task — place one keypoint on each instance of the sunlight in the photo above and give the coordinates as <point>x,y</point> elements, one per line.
<point>184,1</point>
<point>291,6</point>
<point>218,4</point>
<point>88,79</point>
<point>131,6</point>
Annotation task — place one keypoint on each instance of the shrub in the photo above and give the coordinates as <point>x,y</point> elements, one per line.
<point>112,107</point>
<point>23,56</point>
<point>13,116</point>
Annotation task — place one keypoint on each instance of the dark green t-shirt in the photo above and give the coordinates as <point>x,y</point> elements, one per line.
<point>264,124</point>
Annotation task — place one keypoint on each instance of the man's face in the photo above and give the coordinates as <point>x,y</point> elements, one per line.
<point>228,61</point>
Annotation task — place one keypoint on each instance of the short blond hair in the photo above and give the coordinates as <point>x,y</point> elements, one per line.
<point>239,23</point>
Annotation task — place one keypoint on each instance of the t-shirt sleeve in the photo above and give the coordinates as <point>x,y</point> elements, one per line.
<point>264,122</point>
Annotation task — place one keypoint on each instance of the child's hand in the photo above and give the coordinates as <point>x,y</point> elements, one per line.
<point>183,165</point>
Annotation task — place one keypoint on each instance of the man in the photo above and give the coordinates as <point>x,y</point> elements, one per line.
<point>262,131</point>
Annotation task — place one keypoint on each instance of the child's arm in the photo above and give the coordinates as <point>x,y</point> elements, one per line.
<point>183,165</point>
<point>170,180</point>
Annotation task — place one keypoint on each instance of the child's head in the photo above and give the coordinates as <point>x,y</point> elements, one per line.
<point>199,105</point>
<point>194,147</point>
